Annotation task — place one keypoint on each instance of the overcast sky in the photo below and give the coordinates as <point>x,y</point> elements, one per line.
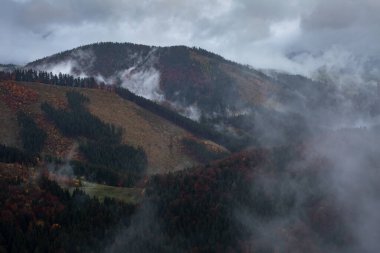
<point>262,33</point>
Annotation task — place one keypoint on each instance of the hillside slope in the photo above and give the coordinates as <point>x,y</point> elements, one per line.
<point>8,126</point>
<point>161,140</point>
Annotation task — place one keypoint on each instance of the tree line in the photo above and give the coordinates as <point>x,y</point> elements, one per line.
<point>32,137</point>
<point>29,75</point>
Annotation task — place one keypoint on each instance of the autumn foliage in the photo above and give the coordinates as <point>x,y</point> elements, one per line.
<point>17,96</point>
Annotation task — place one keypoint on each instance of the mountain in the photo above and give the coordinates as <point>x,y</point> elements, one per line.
<point>269,107</point>
<point>185,77</point>
<point>192,81</point>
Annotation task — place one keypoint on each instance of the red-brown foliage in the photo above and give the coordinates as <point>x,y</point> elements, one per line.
<point>16,96</point>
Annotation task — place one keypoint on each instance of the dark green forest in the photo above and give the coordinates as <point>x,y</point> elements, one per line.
<point>32,137</point>
<point>14,155</point>
<point>30,75</point>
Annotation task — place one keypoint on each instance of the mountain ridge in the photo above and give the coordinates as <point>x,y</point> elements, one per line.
<point>187,76</point>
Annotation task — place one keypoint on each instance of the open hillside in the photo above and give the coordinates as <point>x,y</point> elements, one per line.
<point>160,139</point>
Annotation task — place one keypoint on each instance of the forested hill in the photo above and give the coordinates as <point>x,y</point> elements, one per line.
<point>181,75</point>
<point>200,85</point>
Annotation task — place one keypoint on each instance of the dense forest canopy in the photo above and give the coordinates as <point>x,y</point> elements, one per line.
<point>33,138</point>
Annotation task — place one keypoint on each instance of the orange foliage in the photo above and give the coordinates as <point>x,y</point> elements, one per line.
<point>16,96</point>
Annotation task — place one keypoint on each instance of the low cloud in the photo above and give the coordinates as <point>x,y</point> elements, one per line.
<point>145,83</point>
<point>77,64</point>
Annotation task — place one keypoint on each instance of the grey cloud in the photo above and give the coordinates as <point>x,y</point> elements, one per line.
<point>241,30</point>
<point>351,24</point>
<point>334,15</point>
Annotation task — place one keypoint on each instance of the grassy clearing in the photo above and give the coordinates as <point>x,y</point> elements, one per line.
<point>128,195</point>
